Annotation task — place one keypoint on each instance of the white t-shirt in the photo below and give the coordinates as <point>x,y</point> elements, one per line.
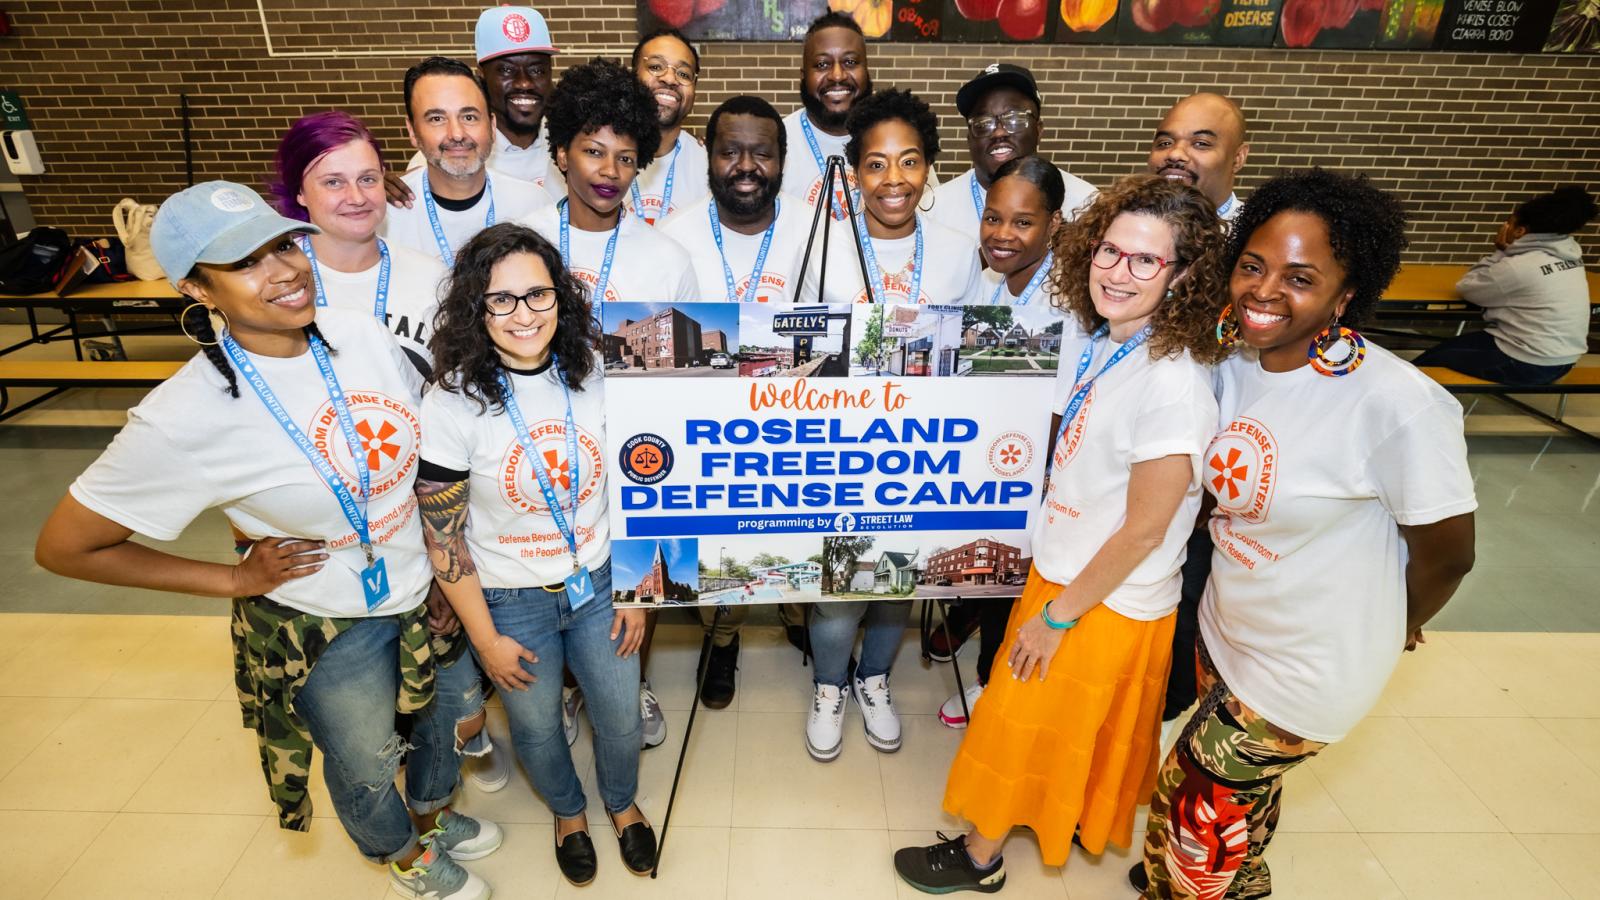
<point>688,180</point>
<point>953,201</point>
<point>1002,296</point>
<point>802,170</point>
<point>647,265</point>
<point>691,227</point>
<point>532,164</point>
<point>413,298</point>
<point>1305,612</point>
<point>1140,410</point>
<point>513,199</point>
<point>514,541</point>
<point>189,447</point>
<point>949,258</point>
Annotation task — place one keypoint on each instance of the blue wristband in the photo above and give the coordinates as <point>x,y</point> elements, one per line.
<point>1044,613</point>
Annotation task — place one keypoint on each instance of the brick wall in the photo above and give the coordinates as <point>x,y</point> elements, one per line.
<point>1461,137</point>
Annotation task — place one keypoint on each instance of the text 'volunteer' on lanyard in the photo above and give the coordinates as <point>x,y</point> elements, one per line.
<point>666,190</point>
<point>1033,283</point>
<point>580,589</point>
<point>445,253</point>
<point>761,257</point>
<point>883,279</point>
<point>599,292</point>
<point>375,577</point>
<point>822,166</point>
<point>1081,388</point>
<point>380,303</point>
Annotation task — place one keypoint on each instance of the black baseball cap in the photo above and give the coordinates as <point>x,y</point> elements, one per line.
<point>996,75</point>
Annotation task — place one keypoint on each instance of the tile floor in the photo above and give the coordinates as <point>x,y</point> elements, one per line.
<point>125,772</point>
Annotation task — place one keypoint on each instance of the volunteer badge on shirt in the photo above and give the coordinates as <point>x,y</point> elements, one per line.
<point>375,583</point>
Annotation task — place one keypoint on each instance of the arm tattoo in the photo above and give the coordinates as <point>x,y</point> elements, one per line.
<point>444,527</point>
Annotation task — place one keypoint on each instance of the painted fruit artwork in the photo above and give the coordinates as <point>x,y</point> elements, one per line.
<point>1020,20</point>
<point>678,13</point>
<point>1087,15</point>
<point>872,15</point>
<point>1577,28</point>
<point>1303,20</point>
<point>1158,15</point>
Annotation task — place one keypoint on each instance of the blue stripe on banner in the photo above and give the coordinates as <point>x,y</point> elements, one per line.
<point>832,523</point>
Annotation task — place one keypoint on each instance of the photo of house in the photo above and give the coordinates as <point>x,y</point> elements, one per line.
<point>675,339</point>
<point>1010,340</point>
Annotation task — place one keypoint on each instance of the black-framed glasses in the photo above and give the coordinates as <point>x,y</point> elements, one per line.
<point>1014,122</point>
<point>1143,266</point>
<point>658,67</point>
<point>504,303</point>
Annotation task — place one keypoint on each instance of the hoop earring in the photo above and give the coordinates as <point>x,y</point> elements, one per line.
<point>212,315</point>
<point>1227,327</point>
<point>1337,351</point>
<point>931,204</point>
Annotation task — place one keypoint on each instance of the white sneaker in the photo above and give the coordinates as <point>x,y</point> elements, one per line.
<point>571,705</point>
<point>655,724</point>
<point>953,714</point>
<point>488,766</point>
<point>825,728</point>
<point>877,713</point>
<point>435,876</point>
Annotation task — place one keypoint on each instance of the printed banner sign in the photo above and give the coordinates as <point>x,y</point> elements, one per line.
<point>778,459</point>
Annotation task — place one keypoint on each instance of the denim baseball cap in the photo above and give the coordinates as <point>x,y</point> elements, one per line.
<point>214,222</point>
<point>504,30</point>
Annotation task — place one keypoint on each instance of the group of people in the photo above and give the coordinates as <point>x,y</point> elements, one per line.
<point>1247,505</point>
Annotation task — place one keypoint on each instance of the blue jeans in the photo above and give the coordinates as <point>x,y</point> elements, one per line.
<point>833,635</point>
<point>348,703</point>
<point>544,622</point>
<point>1476,353</point>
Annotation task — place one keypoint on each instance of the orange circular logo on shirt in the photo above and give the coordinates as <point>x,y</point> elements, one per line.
<point>1241,469</point>
<point>389,434</point>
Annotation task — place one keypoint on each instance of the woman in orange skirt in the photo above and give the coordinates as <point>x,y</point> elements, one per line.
<point>1068,743</point>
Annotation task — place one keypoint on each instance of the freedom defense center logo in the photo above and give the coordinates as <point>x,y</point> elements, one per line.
<point>389,433</point>
<point>1242,469</point>
<point>1010,454</point>
<point>1067,447</point>
<point>520,487</point>
<point>646,458</point>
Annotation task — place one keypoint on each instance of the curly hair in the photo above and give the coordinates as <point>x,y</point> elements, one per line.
<point>602,94</point>
<point>1185,320</point>
<point>465,360</point>
<point>890,104</point>
<point>1366,228</point>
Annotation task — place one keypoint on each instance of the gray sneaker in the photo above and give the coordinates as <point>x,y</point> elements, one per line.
<point>435,876</point>
<point>655,724</point>
<point>464,837</point>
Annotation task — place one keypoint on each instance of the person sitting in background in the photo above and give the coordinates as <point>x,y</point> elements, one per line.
<point>1534,295</point>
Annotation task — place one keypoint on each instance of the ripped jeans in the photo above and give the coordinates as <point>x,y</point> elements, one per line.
<point>348,703</point>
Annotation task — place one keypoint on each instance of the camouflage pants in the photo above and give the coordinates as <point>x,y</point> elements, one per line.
<point>1217,799</point>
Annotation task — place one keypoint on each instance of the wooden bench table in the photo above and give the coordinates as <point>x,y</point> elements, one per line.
<point>65,374</point>
<point>97,301</point>
<point>1429,291</point>
<point>1581,380</point>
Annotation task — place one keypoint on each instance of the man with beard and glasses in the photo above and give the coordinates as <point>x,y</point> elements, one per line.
<point>447,119</point>
<point>1004,122</point>
<point>744,222</point>
<point>514,48</point>
<point>669,66</point>
<point>1201,142</point>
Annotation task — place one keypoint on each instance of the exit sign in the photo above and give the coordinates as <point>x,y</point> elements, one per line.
<point>12,116</point>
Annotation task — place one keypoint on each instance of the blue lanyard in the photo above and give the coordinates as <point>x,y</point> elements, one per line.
<point>1033,283</point>
<point>599,294</point>
<point>380,303</point>
<point>977,196</point>
<point>535,460</point>
<point>1080,387</point>
<point>761,257</point>
<point>445,253</point>
<point>822,163</point>
<point>872,263</point>
<point>355,513</point>
<point>666,190</point>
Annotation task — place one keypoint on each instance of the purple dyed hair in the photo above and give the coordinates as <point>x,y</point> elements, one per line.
<point>306,141</point>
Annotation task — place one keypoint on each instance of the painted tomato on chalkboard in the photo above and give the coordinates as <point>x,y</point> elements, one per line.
<point>675,13</point>
<point>1159,15</point>
<point>1302,19</point>
<point>978,10</point>
<point>1022,20</point>
<point>1087,15</point>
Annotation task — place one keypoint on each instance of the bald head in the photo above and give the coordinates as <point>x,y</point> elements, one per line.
<point>1201,142</point>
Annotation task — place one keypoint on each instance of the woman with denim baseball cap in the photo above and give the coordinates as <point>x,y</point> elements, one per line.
<point>301,424</point>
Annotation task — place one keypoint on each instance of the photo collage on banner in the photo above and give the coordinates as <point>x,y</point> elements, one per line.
<point>777,453</point>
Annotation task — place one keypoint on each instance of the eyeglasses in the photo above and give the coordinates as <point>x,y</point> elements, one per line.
<point>504,303</point>
<point>1143,266</point>
<point>658,67</point>
<point>1013,122</point>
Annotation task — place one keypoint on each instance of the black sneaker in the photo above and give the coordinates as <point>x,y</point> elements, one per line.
<point>717,692</point>
<point>945,868</point>
<point>1138,878</point>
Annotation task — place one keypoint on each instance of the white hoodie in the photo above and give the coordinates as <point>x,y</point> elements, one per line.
<point>1535,299</point>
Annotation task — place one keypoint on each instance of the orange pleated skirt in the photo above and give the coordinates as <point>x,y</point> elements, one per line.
<point>1075,752</point>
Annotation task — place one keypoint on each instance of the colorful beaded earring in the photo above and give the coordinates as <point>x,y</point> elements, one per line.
<point>1337,350</point>
<point>1227,327</point>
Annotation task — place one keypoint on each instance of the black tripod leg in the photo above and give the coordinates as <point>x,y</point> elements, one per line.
<point>688,732</point>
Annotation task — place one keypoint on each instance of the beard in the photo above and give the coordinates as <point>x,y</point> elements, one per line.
<point>747,206</point>
<point>821,114</point>
<point>458,168</point>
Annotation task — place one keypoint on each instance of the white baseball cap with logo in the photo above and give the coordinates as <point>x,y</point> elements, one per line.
<point>504,30</point>
<point>215,222</point>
